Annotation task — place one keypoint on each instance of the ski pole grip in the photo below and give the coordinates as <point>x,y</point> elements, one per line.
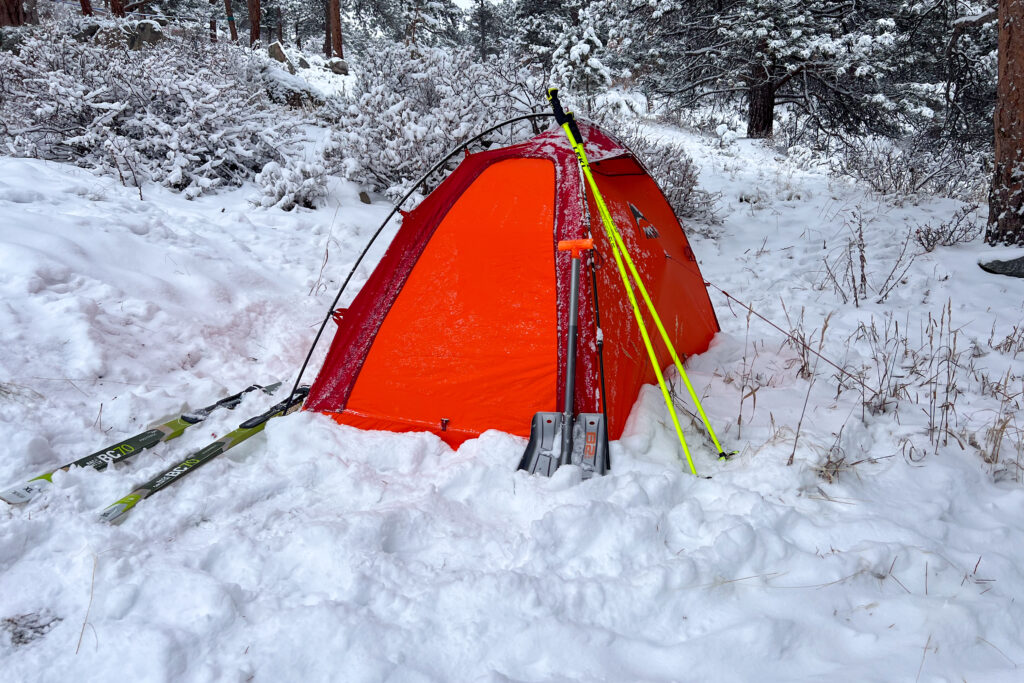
<point>563,117</point>
<point>556,106</point>
<point>576,246</point>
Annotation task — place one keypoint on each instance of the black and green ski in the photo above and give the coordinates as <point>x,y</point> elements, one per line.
<point>251,427</point>
<point>129,447</point>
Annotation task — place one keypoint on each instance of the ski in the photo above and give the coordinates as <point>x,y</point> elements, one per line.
<point>117,511</point>
<point>131,446</point>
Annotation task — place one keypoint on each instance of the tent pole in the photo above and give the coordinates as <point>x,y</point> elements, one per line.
<point>394,210</point>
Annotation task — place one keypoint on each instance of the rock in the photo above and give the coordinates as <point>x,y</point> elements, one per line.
<point>11,40</point>
<point>338,66</point>
<point>363,197</point>
<point>113,37</point>
<point>1014,268</point>
<point>146,33</point>
<point>276,50</point>
<point>291,91</point>
<point>303,64</point>
<point>86,33</point>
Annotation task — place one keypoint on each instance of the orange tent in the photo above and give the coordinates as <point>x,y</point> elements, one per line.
<point>461,327</point>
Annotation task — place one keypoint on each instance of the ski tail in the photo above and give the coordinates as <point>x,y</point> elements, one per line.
<point>130,447</point>
<point>116,512</point>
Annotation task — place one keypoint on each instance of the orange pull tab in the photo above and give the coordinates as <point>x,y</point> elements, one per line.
<point>576,246</point>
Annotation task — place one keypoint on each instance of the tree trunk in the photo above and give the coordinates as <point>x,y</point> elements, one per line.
<point>86,8</point>
<point>327,29</point>
<point>231,21</point>
<point>213,21</point>
<point>761,115</point>
<point>280,27</point>
<point>334,8</point>
<point>31,12</point>
<point>117,8</point>
<point>1006,196</point>
<point>11,13</point>
<point>254,21</point>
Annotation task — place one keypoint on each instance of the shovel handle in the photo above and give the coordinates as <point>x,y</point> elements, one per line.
<point>576,246</point>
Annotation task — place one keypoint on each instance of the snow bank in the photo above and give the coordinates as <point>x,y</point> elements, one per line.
<point>323,553</point>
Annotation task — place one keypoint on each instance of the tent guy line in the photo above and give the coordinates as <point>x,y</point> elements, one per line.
<point>793,338</point>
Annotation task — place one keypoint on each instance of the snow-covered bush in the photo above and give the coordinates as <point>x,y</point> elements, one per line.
<point>407,108</point>
<point>185,113</point>
<point>299,183</point>
<point>675,174</point>
<point>669,165</point>
<point>910,167</point>
<point>961,228</point>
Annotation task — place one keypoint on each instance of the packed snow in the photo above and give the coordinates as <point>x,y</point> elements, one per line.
<point>891,548</point>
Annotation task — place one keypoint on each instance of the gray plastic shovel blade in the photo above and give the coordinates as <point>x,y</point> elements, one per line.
<point>543,451</point>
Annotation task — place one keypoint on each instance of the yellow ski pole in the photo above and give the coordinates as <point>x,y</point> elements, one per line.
<point>664,335</point>
<point>572,131</point>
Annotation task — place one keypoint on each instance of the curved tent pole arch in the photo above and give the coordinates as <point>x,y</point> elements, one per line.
<point>433,169</point>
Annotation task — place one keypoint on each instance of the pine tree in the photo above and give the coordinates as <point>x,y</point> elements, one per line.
<point>12,13</point>
<point>1006,199</point>
<point>334,29</point>
<point>944,69</point>
<point>576,64</point>
<point>538,26</point>
<point>254,21</point>
<point>484,29</point>
<point>820,55</point>
<point>230,18</point>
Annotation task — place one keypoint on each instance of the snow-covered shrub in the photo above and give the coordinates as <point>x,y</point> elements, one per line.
<point>185,113</point>
<point>726,136</point>
<point>961,228</point>
<point>800,156</point>
<point>297,184</point>
<point>671,168</point>
<point>910,167</point>
<point>407,108</point>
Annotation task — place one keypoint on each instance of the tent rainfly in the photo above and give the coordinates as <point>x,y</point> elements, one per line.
<point>462,325</point>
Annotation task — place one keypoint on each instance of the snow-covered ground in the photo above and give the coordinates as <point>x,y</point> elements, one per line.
<point>323,553</point>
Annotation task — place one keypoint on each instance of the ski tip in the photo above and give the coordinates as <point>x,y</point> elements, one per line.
<point>19,495</point>
<point>116,513</point>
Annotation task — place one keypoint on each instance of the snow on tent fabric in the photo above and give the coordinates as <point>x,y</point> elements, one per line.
<point>461,327</point>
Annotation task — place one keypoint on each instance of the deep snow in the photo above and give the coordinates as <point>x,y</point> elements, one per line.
<point>323,553</point>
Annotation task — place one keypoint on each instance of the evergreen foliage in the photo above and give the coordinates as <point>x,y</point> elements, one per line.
<point>394,127</point>
<point>907,85</point>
